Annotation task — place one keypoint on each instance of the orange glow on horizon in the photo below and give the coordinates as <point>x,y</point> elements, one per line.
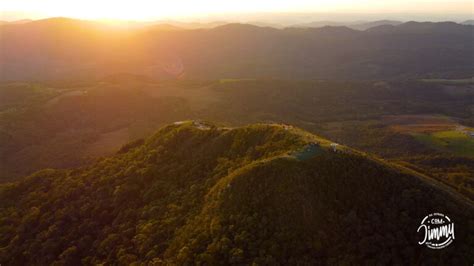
<point>155,9</point>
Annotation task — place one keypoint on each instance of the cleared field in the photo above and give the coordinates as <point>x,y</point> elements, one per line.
<point>108,143</point>
<point>450,81</point>
<point>410,124</point>
<point>57,99</point>
<point>437,132</point>
<point>223,81</point>
<point>197,95</point>
<point>457,142</point>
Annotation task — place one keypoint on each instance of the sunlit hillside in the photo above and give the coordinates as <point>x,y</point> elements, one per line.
<point>194,193</point>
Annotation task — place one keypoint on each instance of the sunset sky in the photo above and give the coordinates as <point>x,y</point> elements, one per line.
<point>156,9</point>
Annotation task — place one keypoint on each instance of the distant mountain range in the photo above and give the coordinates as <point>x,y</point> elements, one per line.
<point>22,21</point>
<point>468,22</point>
<point>62,48</point>
<point>358,25</point>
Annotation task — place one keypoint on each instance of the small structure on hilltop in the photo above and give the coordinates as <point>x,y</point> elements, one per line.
<point>308,151</point>
<point>334,147</point>
<point>201,125</point>
<point>313,145</point>
<point>287,127</point>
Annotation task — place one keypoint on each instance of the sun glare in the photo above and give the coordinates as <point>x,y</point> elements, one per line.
<point>156,9</point>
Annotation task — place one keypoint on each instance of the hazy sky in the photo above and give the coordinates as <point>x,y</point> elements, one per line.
<point>157,9</point>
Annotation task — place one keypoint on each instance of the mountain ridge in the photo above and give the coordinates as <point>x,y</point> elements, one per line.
<point>197,193</point>
<point>30,51</point>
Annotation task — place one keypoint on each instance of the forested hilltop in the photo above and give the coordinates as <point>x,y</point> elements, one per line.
<point>195,193</point>
<point>424,124</point>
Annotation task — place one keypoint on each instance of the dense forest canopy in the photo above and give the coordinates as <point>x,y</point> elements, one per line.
<point>195,193</point>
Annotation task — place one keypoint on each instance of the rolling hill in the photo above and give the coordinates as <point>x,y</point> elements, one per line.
<point>62,48</point>
<point>196,193</point>
<point>357,25</point>
<point>41,123</point>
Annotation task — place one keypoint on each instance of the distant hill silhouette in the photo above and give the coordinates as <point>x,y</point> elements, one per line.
<point>368,25</point>
<point>22,21</point>
<point>318,24</point>
<point>357,25</point>
<point>164,27</point>
<point>67,48</point>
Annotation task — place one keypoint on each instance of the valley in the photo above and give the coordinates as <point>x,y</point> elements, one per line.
<point>97,118</point>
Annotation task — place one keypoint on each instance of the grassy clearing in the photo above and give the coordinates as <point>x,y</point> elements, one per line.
<point>453,141</point>
<point>108,143</point>
<point>223,81</point>
<point>450,81</point>
<point>411,124</point>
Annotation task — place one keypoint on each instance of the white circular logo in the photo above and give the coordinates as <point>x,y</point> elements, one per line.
<point>436,231</point>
